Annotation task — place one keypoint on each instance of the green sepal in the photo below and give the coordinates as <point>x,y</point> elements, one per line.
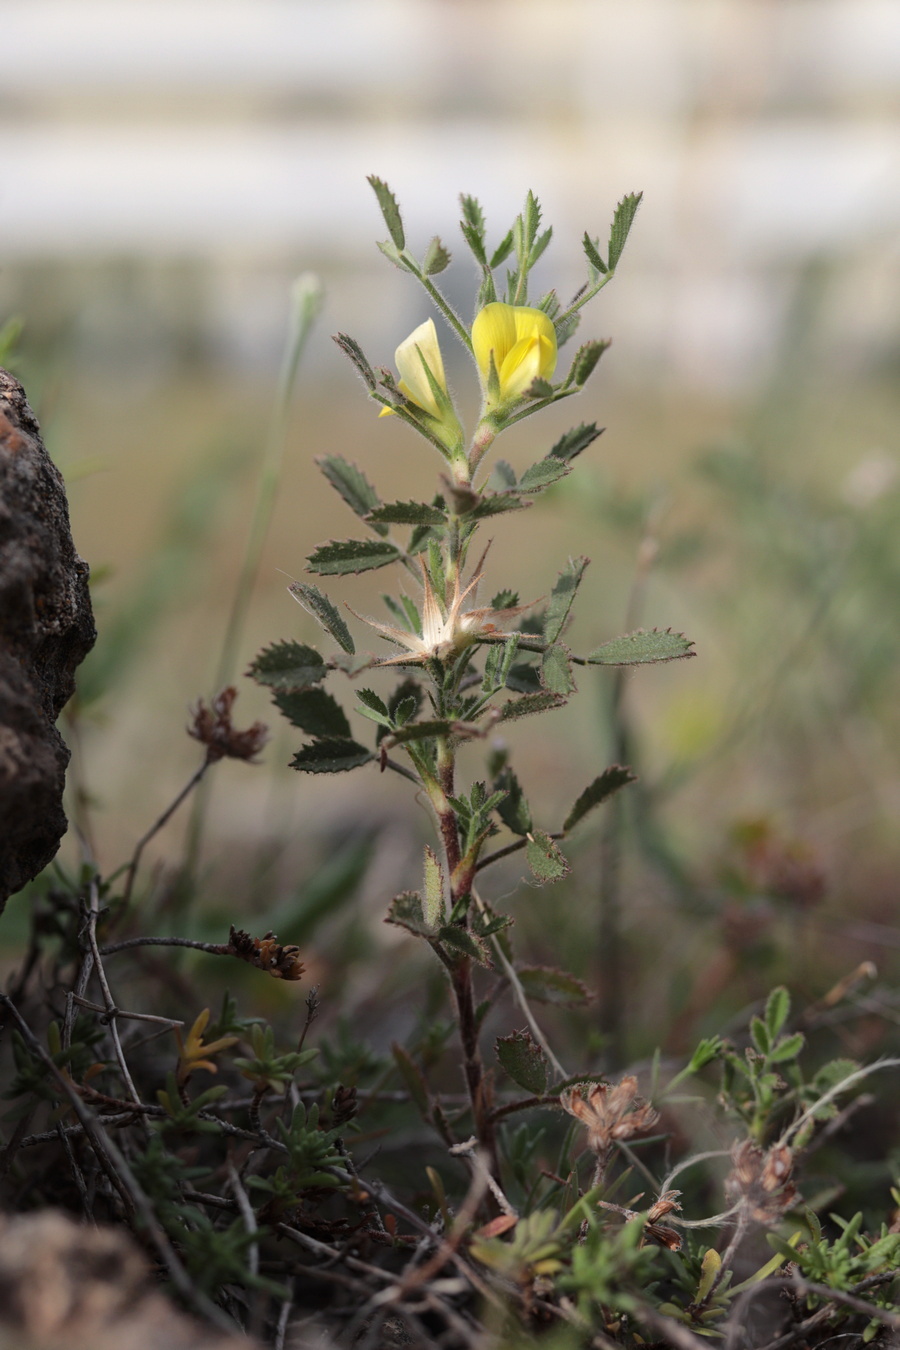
<point>542,474</point>
<point>463,942</point>
<point>545,858</point>
<point>341,556</point>
<point>351,483</point>
<point>608,782</point>
<point>642,648</point>
<point>331,755</point>
<point>288,665</point>
<point>390,210</point>
<point>562,596</point>
<point>623,218</point>
<point>436,258</point>
<point>545,984</point>
<point>351,348</point>
<point>407,513</point>
<point>540,702</point>
<point>406,911</point>
<point>321,608</point>
<point>576,440</point>
<point>525,1062</point>
<point>313,711</point>
<point>556,670</point>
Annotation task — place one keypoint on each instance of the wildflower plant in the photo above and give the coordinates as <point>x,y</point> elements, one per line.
<point>465,668</point>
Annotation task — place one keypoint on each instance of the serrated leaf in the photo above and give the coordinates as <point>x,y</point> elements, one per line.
<point>421,731</point>
<point>436,258</point>
<point>408,513</point>
<point>464,942</point>
<point>475,242</point>
<point>374,709</point>
<point>485,923</point>
<point>787,1048</point>
<point>433,902</point>
<point>528,704</point>
<point>608,782</point>
<point>545,858</point>
<point>623,218</point>
<point>576,440</point>
<point>524,1061</point>
<point>405,911</point>
<point>331,755</point>
<point>496,504</point>
<point>585,360</point>
<point>503,250</point>
<point>642,648</point>
<point>406,700</point>
<point>542,474</point>
<point>543,984</point>
<point>539,246</point>
<point>514,810</point>
<point>556,670</point>
<point>350,347</point>
<point>321,608</point>
<point>778,1010</point>
<point>288,665</point>
<point>351,483</point>
<point>592,253</point>
<point>313,711</point>
<point>390,210</point>
<point>562,596</point>
<point>539,388</point>
<point>505,599</point>
<point>413,1078</point>
<point>341,556</point>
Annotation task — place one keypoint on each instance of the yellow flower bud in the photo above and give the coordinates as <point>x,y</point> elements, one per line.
<point>523,343</point>
<point>420,349</point>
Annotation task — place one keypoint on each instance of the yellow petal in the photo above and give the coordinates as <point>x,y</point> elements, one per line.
<point>523,341</point>
<point>420,349</point>
<point>494,330</point>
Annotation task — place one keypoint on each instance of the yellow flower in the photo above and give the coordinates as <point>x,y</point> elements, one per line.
<point>523,343</point>
<point>418,352</point>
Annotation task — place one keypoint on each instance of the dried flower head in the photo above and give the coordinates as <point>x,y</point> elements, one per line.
<point>213,728</point>
<point>761,1181</point>
<point>266,953</point>
<point>610,1112</point>
<point>661,1233</point>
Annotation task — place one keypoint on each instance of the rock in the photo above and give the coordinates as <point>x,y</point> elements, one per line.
<point>46,630</point>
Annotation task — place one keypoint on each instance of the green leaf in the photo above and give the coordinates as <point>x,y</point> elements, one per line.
<point>787,1048</point>
<point>539,246</point>
<point>545,859</point>
<point>585,360</point>
<point>434,889</point>
<point>640,648</point>
<point>556,670</point>
<point>576,440</point>
<point>341,556</point>
<point>464,942</point>
<point>505,599</point>
<point>608,782</point>
<point>390,210</point>
<point>288,665</point>
<point>524,1061</point>
<point>542,474</point>
<point>496,504</point>
<point>472,225</point>
<point>778,1010</point>
<point>413,1078</point>
<point>562,596</point>
<point>760,1035</point>
<point>374,708</point>
<point>475,242</point>
<point>592,253</point>
<point>331,755</point>
<point>408,513</point>
<point>405,911</point>
<point>524,679</point>
<point>503,250</point>
<point>313,711</point>
<point>544,984</point>
<point>436,258</point>
<point>514,810</point>
<point>421,731</point>
<point>350,347</point>
<point>321,608</point>
<point>529,703</point>
<point>503,477</point>
<point>539,388</point>
<point>352,485</point>
<point>623,218</point>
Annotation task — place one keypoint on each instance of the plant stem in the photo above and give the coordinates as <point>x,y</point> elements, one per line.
<point>157,825</point>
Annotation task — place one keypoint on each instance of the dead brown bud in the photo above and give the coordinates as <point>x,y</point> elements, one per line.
<point>761,1181</point>
<point>212,726</point>
<point>610,1112</point>
<point>266,953</point>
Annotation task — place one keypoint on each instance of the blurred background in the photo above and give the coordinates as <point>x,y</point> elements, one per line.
<point>168,170</point>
